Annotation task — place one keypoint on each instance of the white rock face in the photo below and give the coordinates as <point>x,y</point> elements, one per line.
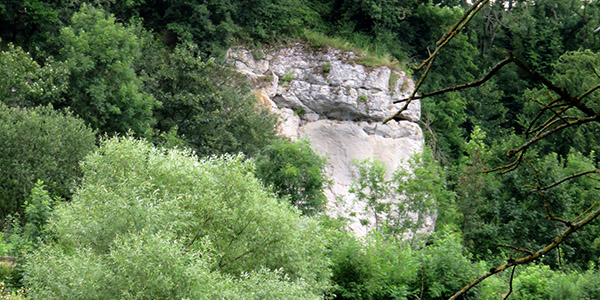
<point>326,97</point>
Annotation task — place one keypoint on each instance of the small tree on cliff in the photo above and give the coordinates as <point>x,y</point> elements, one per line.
<point>402,204</point>
<point>296,172</point>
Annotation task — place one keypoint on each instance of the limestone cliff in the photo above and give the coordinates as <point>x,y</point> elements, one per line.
<point>325,96</point>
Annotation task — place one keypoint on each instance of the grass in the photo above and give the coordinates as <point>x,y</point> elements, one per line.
<point>367,56</point>
<point>326,68</point>
<point>393,79</point>
<point>362,98</point>
<point>286,79</point>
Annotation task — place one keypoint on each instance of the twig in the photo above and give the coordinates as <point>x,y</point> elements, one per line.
<point>422,282</point>
<point>510,283</point>
<point>516,248</point>
<point>446,38</point>
<point>556,129</point>
<point>487,77</point>
<point>587,93</point>
<point>595,171</point>
<point>585,212</point>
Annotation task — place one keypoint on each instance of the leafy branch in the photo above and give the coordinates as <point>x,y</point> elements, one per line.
<point>561,102</point>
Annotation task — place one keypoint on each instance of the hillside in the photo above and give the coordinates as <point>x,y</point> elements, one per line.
<point>299,149</point>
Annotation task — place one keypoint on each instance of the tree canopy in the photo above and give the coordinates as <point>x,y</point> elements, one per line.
<point>176,224</point>
<point>508,91</point>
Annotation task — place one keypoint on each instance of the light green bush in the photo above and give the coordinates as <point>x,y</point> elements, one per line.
<point>147,222</point>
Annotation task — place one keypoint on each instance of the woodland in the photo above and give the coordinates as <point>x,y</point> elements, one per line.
<point>136,164</point>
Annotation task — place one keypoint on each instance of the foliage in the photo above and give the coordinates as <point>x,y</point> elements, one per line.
<point>374,189</point>
<point>39,144</point>
<point>384,268</point>
<point>296,173</point>
<point>38,210</point>
<point>506,210</point>
<point>402,204</point>
<point>182,227</point>
<point>104,89</point>
<point>23,82</point>
<point>539,281</point>
<point>30,23</point>
<point>149,266</point>
<point>214,24</point>
<point>210,105</point>
<point>575,72</point>
<point>7,294</point>
<point>24,236</point>
<point>116,57</point>
<point>423,184</point>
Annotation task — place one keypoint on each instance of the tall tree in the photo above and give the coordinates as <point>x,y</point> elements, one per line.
<point>104,89</point>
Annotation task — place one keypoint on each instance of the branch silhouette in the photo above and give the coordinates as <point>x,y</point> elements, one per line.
<point>561,102</point>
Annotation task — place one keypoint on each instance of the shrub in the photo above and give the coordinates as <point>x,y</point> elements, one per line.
<point>381,267</point>
<point>39,144</point>
<point>296,172</point>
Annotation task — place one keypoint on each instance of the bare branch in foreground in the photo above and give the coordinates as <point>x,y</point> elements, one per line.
<point>595,171</point>
<point>479,82</point>
<point>448,36</point>
<point>516,248</point>
<point>510,282</point>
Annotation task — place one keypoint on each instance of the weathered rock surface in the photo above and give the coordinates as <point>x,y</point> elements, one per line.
<point>326,97</point>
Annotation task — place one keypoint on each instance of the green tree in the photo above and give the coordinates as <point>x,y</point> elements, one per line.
<point>183,228</point>
<point>402,204</point>
<point>23,82</point>
<point>296,172</point>
<point>210,106</point>
<point>39,144</point>
<point>214,25</point>
<point>104,89</point>
<point>373,188</point>
<point>32,24</point>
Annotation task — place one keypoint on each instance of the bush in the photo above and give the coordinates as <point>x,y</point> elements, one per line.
<point>23,82</point>
<point>296,172</point>
<point>39,144</point>
<point>381,267</point>
<point>149,222</point>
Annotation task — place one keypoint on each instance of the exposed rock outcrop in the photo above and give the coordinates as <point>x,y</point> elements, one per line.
<point>326,96</point>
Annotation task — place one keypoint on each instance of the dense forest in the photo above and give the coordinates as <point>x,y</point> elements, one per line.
<point>135,163</point>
